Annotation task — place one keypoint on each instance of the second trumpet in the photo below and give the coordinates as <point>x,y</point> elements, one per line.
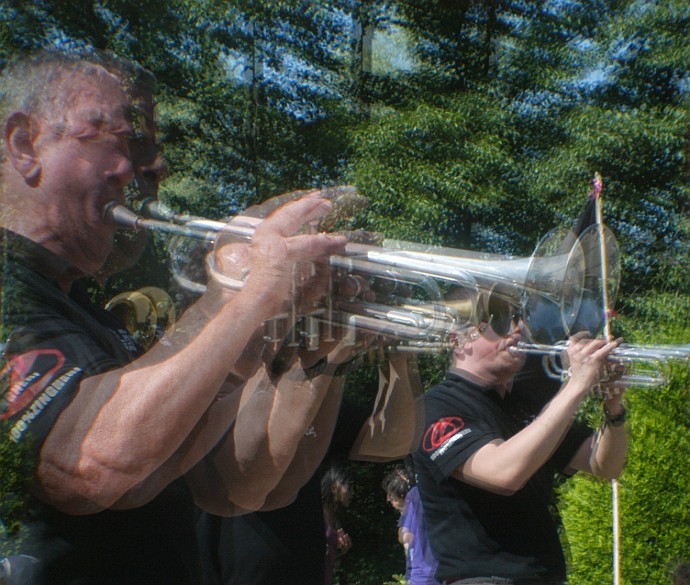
<point>629,365</point>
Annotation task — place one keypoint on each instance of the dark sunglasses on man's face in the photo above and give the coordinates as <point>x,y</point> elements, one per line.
<point>502,315</point>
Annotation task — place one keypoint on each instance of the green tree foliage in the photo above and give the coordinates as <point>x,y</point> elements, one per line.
<point>441,172</point>
<point>600,114</point>
<point>568,85</point>
<point>644,185</point>
<point>654,501</point>
<point>456,38</point>
<point>17,473</point>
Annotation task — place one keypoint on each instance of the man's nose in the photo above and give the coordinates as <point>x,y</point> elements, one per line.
<point>123,173</point>
<point>150,175</point>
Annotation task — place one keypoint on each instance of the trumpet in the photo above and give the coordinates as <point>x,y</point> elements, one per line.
<point>558,287</point>
<point>627,365</point>
<point>414,316</point>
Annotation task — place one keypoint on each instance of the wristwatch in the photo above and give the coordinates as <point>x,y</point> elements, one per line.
<point>616,420</point>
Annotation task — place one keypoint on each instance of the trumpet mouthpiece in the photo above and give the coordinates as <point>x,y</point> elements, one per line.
<point>120,215</point>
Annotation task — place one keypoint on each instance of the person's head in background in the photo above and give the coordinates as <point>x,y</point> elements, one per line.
<point>336,488</point>
<point>148,163</point>
<point>396,484</point>
<point>481,344</point>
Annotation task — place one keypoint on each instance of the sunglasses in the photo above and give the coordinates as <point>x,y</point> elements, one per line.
<point>502,315</point>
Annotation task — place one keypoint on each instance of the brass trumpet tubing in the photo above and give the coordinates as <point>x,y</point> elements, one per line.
<point>423,266</point>
<point>146,313</point>
<point>382,327</point>
<point>204,229</point>
<point>411,346</point>
<point>425,322</point>
<point>642,365</point>
<point>621,353</point>
<point>491,268</point>
<point>155,210</point>
<point>433,316</point>
<point>403,274</point>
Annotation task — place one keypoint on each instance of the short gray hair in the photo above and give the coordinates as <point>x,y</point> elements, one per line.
<point>41,83</point>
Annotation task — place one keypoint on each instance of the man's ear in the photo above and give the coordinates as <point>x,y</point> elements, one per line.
<point>474,333</point>
<point>19,136</point>
<point>459,340</point>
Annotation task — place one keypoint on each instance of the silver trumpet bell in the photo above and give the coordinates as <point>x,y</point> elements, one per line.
<point>558,289</point>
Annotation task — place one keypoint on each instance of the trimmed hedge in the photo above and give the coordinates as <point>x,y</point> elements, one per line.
<point>654,499</point>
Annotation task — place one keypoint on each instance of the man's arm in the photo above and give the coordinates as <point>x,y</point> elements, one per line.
<point>124,424</point>
<point>504,467</point>
<point>604,453</point>
<point>263,467</point>
<point>388,433</point>
<point>280,434</point>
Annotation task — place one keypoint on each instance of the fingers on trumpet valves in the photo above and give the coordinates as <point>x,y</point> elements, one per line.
<point>615,369</point>
<point>310,288</point>
<point>295,215</point>
<point>587,357</point>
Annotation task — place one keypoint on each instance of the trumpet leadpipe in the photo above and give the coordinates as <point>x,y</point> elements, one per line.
<point>200,228</point>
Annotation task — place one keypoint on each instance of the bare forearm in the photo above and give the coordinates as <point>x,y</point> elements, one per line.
<point>268,432</point>
<point>506,466</point>
<point>205,436</point>
<point>609,452</point>
<point>122,425</point>
<point>311,449</point>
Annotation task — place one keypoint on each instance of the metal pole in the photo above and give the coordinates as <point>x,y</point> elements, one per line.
<point>596,192</point>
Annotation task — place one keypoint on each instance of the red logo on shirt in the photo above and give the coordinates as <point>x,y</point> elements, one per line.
<point>442,430</point>
<point>25,376</point>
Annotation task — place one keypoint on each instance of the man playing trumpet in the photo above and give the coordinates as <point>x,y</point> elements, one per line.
<point>119,444</point>
<point>486,464</point>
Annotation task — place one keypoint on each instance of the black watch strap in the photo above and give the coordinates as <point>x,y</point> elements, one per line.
<point>616,420</point>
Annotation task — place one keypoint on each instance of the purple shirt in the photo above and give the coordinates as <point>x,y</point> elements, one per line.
<point>421,565</point>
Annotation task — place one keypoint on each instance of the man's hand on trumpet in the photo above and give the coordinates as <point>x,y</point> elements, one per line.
<point>586,359</point>
<point>280,265</point>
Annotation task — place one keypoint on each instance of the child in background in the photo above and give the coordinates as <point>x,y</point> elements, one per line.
<point>403,495</point>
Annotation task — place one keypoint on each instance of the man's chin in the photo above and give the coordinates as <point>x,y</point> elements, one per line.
<point>517,360</point>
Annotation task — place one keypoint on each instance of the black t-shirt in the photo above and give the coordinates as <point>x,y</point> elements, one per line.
<point>473,532</point>
<point>53,341</point>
